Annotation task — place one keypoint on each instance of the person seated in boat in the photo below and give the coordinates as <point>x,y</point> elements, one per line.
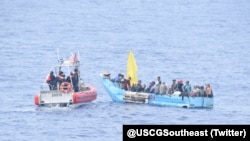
<point>50,79</point>
<point>139,87</point>
<point>202,92</point>
<point>152,89</point>
<point>129,83</point>
<point>163,88</point>
<point>195,91</point>
<point>173,87</point>
<point>148,88</point>
<point>179,86</point>
<point>117,79</point>
<point>133,88</point>
<point>122,82</point>
<point>209,91</point>
<point>157,87</point>
<point>125,83</point>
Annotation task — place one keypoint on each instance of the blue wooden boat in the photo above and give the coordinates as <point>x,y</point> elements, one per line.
<point>175,100</point>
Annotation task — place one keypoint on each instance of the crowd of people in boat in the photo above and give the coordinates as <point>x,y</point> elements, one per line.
<point>160,87</point>
<point>55,81</point>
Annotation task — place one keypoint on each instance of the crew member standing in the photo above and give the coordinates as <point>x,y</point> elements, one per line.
<point>75,80</point>
<point>50,79</point>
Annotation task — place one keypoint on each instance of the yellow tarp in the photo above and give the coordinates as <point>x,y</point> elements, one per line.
<point>132,68</point>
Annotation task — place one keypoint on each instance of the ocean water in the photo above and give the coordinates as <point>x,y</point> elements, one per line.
<point>200,41</point>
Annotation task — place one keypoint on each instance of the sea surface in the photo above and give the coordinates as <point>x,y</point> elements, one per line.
<point>204,41</point>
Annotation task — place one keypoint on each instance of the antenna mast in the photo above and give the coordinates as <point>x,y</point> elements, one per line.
<point>57,52</point>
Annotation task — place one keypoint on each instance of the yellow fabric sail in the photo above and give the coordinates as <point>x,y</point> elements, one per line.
<point>132,68</point>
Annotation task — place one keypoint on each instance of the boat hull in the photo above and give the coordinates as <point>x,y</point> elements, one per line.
<point>86,95</point>
<point>120,95</point>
